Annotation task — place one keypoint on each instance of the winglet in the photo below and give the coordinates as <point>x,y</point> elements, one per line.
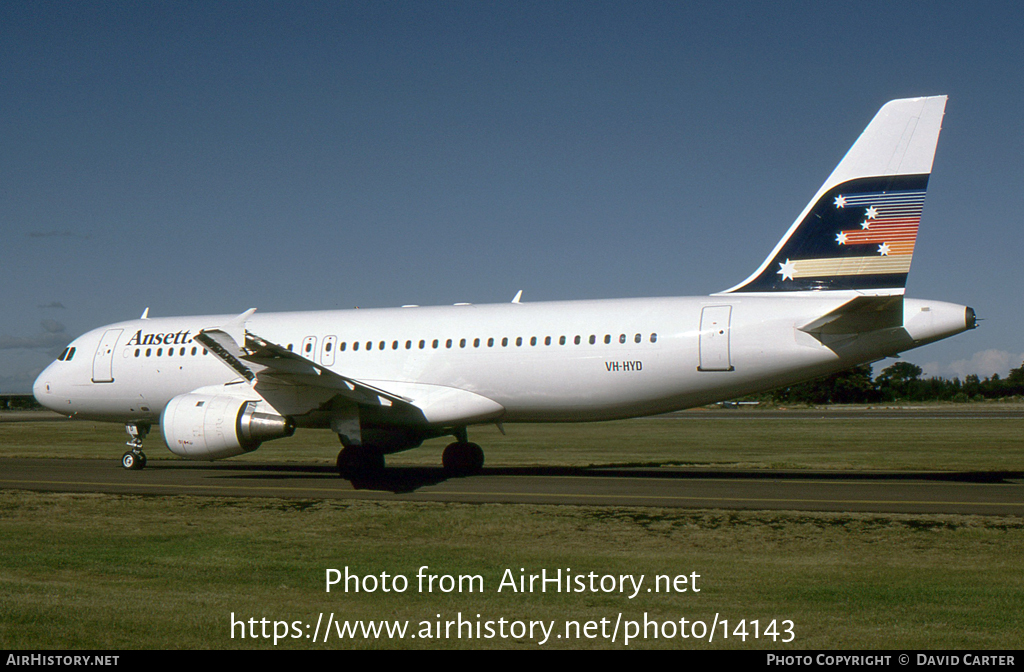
<point>235,328</point>
<point>227,343</point>
<point>519,295</point>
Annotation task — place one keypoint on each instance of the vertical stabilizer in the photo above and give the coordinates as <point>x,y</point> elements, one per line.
<point>859,230</point>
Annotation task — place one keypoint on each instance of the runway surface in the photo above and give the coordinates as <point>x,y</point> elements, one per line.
<point>985,493</point>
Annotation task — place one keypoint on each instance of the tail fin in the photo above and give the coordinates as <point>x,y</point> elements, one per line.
<point>858,231</point>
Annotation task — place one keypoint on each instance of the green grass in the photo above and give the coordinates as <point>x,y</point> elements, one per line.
<point>121,572</point>
<point>107,571</point>
<point>750,441</point>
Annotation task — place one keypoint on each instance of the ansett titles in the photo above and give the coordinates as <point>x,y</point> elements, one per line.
<point>178,338</point>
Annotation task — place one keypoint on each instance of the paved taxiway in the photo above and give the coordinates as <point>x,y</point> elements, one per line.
<point>986,493</point>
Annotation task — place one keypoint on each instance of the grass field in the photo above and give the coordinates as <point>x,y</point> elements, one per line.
<point>119,572</point>
<point>739,439</point>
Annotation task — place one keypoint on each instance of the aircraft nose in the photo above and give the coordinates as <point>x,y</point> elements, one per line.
<point>42,389</point>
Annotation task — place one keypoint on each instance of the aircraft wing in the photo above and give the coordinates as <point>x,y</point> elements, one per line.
<point>263,363</point>
<point>295,385</point>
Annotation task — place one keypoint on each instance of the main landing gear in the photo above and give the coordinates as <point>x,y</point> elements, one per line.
<point>462,458</point>
<point>360,461</point>
<point>135,459</point>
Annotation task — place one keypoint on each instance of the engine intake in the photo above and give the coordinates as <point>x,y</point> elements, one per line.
<point>213,426</point>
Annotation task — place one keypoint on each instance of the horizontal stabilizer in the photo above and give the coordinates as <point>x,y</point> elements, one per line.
<point>862,314</point>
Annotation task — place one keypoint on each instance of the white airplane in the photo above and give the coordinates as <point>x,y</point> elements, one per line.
<point>828,297</point>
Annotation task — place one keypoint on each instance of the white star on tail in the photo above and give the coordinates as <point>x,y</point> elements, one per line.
<point>786,270</point>
<point>841,238</point>
<point>840,201</point>
<point>872,212</point>
<point>865,225</point>
<point>883,249</point>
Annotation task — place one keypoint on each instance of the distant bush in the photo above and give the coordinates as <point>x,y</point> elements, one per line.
<point>900,382</point>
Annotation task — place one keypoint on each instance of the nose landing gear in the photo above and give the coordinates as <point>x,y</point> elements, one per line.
<point>135,459</point>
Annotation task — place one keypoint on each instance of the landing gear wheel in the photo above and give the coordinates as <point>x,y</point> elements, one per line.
<point>133,460</point>
<point>360,461</point>
<point>462,458</point>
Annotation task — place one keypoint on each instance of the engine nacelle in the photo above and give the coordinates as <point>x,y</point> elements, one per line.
<point>201,426</point>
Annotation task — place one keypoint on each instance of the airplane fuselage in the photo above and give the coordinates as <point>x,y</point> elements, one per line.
<point>536,362</point>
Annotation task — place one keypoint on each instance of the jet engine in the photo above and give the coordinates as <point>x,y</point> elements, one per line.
<point>202,426</point>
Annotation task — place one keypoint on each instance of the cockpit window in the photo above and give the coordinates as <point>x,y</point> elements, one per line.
<point>71,353</point>
<point>66,356</point>
<point>63,355</point>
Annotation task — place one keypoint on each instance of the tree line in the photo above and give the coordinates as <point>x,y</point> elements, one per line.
<point>902,381</point>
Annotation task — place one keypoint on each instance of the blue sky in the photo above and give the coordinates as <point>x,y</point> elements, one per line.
<point>208,157</point>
